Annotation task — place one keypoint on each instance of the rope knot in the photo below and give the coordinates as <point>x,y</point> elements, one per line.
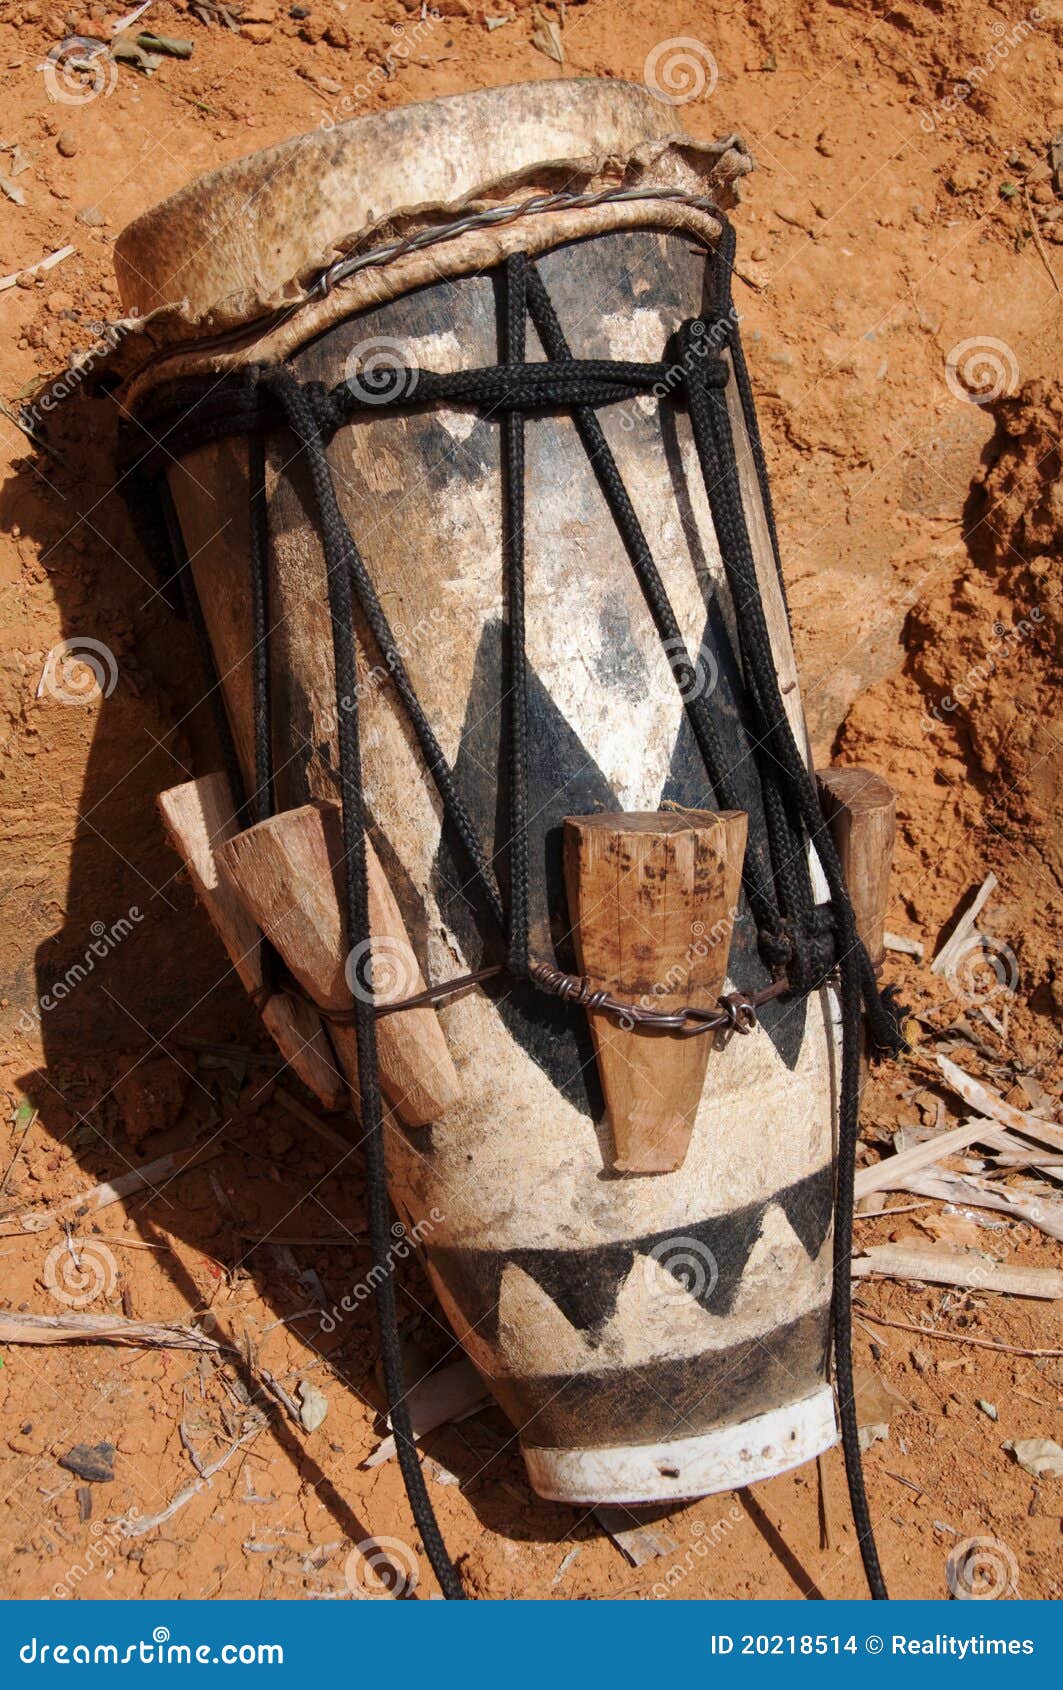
<point>701,343</point>
<point>323,407</point>
<point>803,946</point>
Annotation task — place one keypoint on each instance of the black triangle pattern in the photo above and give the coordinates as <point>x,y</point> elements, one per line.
<point>708,1258</point>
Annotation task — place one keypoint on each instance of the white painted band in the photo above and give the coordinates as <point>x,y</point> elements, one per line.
<point>725,1459</point>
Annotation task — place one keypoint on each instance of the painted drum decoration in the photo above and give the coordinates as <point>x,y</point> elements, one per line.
<point>651,1334</point>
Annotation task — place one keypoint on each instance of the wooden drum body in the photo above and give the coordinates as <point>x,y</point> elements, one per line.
<point>649,1337</point>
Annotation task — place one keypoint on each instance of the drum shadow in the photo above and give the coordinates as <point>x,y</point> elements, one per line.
<point>111,966</point>
<point>780,1548</point>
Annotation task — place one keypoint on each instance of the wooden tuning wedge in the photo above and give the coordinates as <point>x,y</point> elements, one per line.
<point>652,899</point>
<point>199,817</point>
<point>287,871</point>
<point>862,811</point>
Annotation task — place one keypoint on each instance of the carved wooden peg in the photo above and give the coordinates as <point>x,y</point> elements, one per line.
<point>199,817</point>
<point>862,810</point>
<point>652,898</point>
<point>287,871</point>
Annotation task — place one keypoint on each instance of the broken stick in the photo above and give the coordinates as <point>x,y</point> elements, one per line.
<point>956,1267</point>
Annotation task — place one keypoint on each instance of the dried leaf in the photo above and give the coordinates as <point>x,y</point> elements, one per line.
<point>13,192</point>
<point>546,36</point>
<point>168,44</point>
<point>876,1400</point>
<point>128,51</point>
<point>1039,1456</point>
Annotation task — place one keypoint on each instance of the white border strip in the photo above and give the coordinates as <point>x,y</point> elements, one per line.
<point>725,1459</point>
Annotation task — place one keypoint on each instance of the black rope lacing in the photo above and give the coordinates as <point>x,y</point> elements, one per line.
<point>800,942</point>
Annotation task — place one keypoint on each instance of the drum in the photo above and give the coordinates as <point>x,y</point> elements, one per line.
<point>651,1334</point>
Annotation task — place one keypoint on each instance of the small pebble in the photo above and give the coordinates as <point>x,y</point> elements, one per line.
<point>67,143</point>
<point>313,1405</point>
<point>92,1462</point>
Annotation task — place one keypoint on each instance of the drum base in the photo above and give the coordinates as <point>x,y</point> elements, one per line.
<point>726,1459</point>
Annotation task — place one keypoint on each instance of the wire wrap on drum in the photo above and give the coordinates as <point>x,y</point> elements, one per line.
<point>801,942</point>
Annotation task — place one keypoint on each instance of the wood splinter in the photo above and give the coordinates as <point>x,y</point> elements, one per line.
<point>199,816</point>
<point>652,898</point>
<point>287,873</point>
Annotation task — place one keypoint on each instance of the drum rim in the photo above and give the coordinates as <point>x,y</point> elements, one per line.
<point>242,239</point>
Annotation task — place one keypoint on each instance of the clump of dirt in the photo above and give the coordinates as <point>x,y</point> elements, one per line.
<point>968,730</point>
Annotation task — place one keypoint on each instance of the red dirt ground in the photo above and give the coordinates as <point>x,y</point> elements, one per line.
<point>903,206</point>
